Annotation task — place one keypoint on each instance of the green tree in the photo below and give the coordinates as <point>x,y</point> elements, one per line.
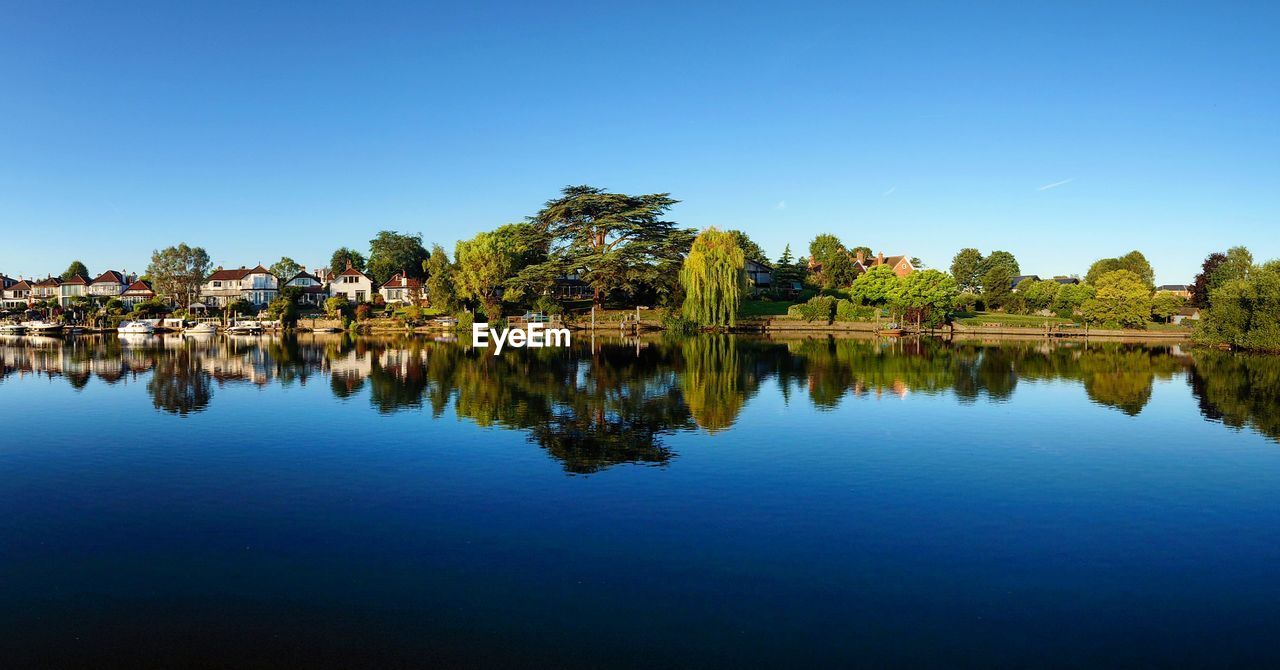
<point>286,268</point>
<point>1001,259</point>
<point>825,247</point>
<point>1245,313</point>
<point>928,297</point>
<point>839,272</point>
<point>484,264</point>
<point>391,252</point>
<point>1070,298</point>
<point>866,252</point>
<point>1122,299</point>
<point>1165,305</point>
<point>749,248</point>
<point>440,292</point>
<point>713,279</point>
<point>967,268</point>
<point>76,268</point>
<point>614,242</point>
<point>177,272</point>
<point>1133,261</point>
<point>786,258</point>
<point>346,257</point>
<point>1238,265</point>
<point>875,286</point>
<point>1038,295</point>
<point>997,285</point>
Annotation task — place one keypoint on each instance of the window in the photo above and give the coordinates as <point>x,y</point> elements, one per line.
<point>359,296</point>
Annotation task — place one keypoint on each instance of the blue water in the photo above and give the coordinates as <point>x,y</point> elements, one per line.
<point>723,502</point>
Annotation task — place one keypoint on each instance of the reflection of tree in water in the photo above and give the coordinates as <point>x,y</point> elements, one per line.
<point>594,407</point>
<point>1240,390</point>
<point>178,385</point>
<point>714,380</point>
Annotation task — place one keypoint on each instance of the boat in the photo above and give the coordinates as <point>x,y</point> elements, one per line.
<point>205,328</point>
<point>135,328</point>
<point>245,328</point>
<point>12,328</point>
<point>39,327</point>
<point>891,330</point>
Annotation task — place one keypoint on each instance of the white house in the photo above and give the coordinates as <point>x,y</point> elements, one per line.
<point>46,289</point>
<point>353,285</point>
<point>72,288</point>
<point>108,285</point>
<point>314,291</point>
<point>138,291</point>
<point>16,295</point>
<point>402,289</point>
<point>256,285</point>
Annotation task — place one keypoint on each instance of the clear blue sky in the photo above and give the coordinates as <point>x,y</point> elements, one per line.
<point>259,130</point>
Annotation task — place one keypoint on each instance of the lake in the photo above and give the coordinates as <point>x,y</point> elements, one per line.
<point>708,501</point>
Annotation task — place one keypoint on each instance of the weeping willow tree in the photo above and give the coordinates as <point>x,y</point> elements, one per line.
<point>713,279</point>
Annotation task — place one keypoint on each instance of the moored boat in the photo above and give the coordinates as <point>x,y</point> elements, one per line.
<point>12,329</point>
<point>245,328</point>
<point>38,327</point>
<point>135,328</point>
<point>205,328</point>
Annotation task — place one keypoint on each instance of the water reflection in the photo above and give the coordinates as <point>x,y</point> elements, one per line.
<point>613,402</point>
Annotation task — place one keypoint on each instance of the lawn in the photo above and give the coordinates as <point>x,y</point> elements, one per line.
<point>764,308</point>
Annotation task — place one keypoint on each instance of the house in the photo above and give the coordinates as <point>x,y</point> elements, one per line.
<point>16,295</point>
<point>1186,314</point>
<point>75,287</point>
<point>314,290</point>
<point>760,274</point>
<point>257,285</point>
<point>900,265</point>
<point>1181,290</point>
<point>353,285</point>
<point>46,289</point>
<point>1013,283</point>
<point>402,288</point>
<point>1067,280</point>
<point>108,285</point>
<point>138,291</point>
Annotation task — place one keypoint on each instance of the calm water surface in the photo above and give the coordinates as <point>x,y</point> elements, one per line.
<point>710,501</point>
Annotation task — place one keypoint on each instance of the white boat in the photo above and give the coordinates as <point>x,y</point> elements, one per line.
<point>12,328</point>
<point>245,328</point>
<point>41,327</point>
<point>135,328</point>
<point>205,328</point>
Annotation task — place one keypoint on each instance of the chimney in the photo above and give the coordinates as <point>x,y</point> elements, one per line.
<point>880,258</point>
<point>862,256</point>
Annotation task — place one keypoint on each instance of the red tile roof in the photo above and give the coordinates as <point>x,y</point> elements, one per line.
<point>77,280</point>
<point>139,286</point>
<point>352,272</point>
<point>398,280</point>
<point>110,276</point>
<point>50,281</point>
<point>23,285</point>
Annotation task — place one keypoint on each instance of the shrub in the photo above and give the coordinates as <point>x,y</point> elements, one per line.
<point>677,324</point>
<point>818,308</point>
<point>848,311</point>
<point>363,311</point>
